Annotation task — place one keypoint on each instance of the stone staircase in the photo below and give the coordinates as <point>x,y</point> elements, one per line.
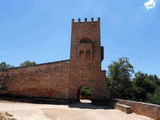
<point>125,108</point>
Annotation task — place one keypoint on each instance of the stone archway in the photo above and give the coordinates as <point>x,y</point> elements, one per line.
<point>85,93</point>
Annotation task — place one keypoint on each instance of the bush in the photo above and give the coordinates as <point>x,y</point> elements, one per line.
<point>85,91</point>
<point>142,87</point>
<point>154,98</point>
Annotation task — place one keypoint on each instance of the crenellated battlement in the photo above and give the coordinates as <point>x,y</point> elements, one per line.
<point>85,20</point>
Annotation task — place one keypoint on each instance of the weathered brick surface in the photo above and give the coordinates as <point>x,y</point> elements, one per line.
<point>46,80</point>
<point>146,109</point>
<point>63,80</point>
<point>84,68</point>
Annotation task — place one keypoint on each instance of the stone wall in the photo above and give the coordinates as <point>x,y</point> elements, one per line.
<point>146,109</point>
<point>48,80</point>
<point>64,79</point>
<point>85,60</point>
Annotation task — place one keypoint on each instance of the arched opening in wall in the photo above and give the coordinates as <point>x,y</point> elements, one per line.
<point>81,54</point>
<point>88,54</point>
<point>85,94</point>
<point>85,40</point>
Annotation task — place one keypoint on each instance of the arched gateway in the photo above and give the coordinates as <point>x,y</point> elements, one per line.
<point>61,81</point>
<point>85,92</point>
<point>85,60</point>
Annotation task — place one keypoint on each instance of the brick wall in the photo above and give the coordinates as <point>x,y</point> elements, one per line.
<point>85,60</point>
<point>63,80</point>
<point>44,80</point>
<point>146,109</point>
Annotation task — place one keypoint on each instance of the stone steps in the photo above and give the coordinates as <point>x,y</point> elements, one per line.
<point>125,108</point>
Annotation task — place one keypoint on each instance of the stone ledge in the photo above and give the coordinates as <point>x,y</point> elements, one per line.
<point>125,108</point>
<point>141,108</point>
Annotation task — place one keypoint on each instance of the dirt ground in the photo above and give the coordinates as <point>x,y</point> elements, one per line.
<point>80,111</point>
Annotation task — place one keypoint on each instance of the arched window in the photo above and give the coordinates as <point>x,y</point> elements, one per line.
<point>81,54</point>
<point>88,54</point>
<point>85,40</point>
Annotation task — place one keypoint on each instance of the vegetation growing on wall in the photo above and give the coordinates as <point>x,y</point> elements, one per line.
<point>140,87</point>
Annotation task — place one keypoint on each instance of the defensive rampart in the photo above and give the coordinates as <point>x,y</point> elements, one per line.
<point>48,80</point>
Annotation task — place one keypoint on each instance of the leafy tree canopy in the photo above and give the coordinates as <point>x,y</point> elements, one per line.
<point>120,73</point>
<point>85,91</point>
<point>4,65</point>
<point>145,88</point>
<point>28,63</point>
<point>142,87</point>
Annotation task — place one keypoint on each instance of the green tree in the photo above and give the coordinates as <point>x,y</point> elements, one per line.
<point>145,87</point>
<point>155,97</point>
<point>28,63</point>
<point>155,79</point>
<point>4,65</point>
<point>142,87</point>
<point>119,77</point>
<point>86,91</point>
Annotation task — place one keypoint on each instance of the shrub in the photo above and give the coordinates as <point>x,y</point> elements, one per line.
<point>85,91</point>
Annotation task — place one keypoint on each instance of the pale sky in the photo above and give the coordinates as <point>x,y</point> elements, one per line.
<point>40,30</point>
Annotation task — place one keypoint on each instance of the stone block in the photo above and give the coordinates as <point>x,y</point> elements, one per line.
<point>125,108</point>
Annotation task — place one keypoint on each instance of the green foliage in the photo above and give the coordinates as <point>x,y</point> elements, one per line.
<point>85,91</point>
<point>138,93</point>
<point>119,79</point>
<point>142,87</point>
<point>28,63</point>
<point>155,79</point>
<point>4,65</point>
<point>154,98</point>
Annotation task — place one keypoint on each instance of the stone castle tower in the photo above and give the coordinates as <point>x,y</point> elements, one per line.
<point>61,81</point>
<point>86,56</point>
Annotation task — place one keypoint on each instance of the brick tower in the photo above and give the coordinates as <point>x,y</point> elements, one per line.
<point>86,56</point>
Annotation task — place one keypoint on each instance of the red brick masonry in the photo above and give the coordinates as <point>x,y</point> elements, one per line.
<point>63,79</point>
<point>44,80</point>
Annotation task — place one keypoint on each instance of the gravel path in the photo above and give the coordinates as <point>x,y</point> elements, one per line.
<point>80,111</point>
